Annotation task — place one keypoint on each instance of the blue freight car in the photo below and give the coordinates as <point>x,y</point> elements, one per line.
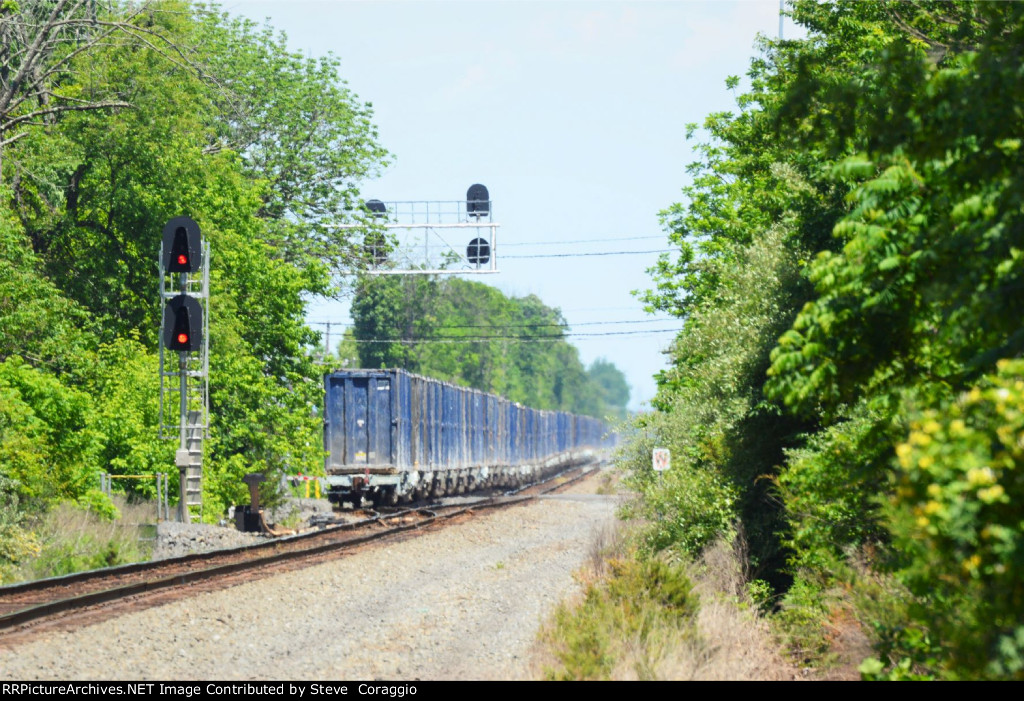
<point>390,435</point>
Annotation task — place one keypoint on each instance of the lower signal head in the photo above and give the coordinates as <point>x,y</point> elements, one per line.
<point>183,324</point>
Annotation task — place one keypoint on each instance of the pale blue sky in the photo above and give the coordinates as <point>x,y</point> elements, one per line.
<point>572,114</point>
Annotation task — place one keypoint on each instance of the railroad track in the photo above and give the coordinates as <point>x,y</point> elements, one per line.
<point>78,599</point>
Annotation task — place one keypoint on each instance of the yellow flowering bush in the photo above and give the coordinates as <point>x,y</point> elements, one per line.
<point>957,514</point>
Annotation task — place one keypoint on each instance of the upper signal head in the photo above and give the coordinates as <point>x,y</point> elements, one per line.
<point>376,208</point>
<point>183,246</point>
<point>478,200</point>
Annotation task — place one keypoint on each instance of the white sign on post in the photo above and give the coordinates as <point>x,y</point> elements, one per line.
<point>661,459</point>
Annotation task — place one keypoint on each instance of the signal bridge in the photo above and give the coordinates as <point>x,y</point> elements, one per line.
<point>430,237</point>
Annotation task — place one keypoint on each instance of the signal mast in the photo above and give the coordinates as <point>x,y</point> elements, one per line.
<point>184,329</point>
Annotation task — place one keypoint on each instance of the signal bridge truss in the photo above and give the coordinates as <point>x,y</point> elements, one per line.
<point>429,238</point>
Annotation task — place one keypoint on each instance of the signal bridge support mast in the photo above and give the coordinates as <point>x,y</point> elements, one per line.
<point>184,332</point>
<point>431,238</point>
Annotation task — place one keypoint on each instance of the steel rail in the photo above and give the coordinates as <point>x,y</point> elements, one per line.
<point>38,611</point>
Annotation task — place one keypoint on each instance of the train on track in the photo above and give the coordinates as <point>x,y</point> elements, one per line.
<point>393,436</point>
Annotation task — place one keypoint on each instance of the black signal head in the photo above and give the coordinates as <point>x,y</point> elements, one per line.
<point>183,246</point>
<point>478,200</point>
<point>183,324</point>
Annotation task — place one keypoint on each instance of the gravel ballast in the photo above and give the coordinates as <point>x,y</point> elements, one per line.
<point>464,602</point>
<point>175,539</point>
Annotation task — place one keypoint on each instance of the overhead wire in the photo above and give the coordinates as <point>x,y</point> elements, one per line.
<point>514,326</point>
<point>556,243</point>
<point>592,253</point>
<point>521,339</point>
<point>552,337</point>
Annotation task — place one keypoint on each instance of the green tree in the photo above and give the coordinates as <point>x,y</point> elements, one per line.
<point>42,47</point>
<point>614,388</point>
<point>472,334</point>
<point>880,156</point>
<point>298,129</point>
<point>213,119</point>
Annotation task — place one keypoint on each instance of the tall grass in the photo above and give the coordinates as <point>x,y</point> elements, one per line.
<point>647,618</point>
<point>631,608</point>
<point>72,538</point>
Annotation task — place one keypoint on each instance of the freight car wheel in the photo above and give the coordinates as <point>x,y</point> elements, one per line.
<point>386,496</point>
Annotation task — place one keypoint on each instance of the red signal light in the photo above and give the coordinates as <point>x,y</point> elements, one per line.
<point>182,246</point>
<point>183,324</point>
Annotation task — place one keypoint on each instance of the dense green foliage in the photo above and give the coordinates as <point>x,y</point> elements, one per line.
<point>116,117</point>
<point>715,418</point>
<point>470,333</point>
<point>113,119</point>
<point>851,272</point>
